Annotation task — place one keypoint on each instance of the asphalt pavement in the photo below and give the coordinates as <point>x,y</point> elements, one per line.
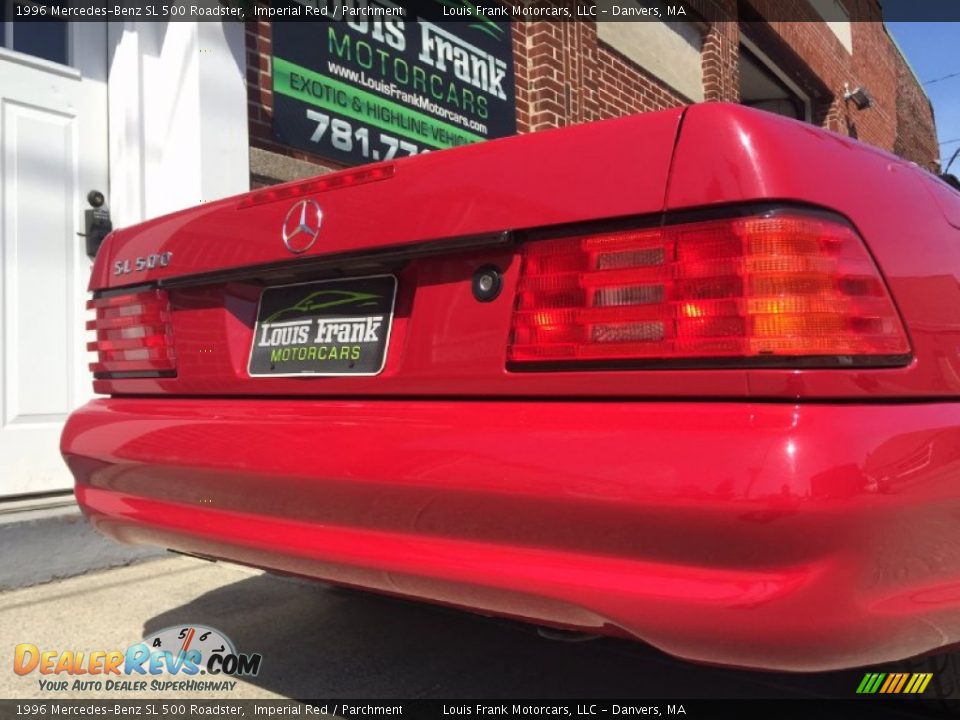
<point>322,642</point>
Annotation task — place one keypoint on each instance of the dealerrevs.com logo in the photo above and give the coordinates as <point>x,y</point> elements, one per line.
<point>183,652</point>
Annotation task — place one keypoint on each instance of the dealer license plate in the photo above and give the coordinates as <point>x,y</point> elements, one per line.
<point>324,328</point>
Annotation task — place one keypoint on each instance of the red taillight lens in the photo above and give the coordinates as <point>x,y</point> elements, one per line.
<point>757,288</point>
<point>133,335</point>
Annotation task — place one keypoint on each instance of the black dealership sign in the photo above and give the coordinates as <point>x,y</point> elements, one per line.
<point>380,86</point>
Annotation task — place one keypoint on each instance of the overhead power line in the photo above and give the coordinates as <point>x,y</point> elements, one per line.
<point>944,77</point>
<point>948,142</point>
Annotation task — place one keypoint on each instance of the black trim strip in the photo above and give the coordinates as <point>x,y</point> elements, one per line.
<point>126,290</point>
<point>777,362</point>
<point>346,260</point>
<point>135,375</point>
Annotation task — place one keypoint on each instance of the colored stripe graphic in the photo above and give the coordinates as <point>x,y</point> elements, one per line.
<point>901,682</point>
<point>892,679</point>
<point>894,683</point>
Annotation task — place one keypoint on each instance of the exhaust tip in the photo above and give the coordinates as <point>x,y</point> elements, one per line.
<point>207,558</point>
<point>568,636</point>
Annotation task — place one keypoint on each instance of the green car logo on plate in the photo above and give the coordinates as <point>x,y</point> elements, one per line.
<point>323,299</point>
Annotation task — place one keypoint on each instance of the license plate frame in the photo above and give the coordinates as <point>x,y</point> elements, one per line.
<point>308,322</point>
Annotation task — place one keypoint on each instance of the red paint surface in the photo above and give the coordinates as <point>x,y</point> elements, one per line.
<point>445,343</point>
<point>782,536</point>
<point>815,529</point>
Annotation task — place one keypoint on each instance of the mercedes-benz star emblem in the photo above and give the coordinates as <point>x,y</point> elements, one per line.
<point>301,226</point>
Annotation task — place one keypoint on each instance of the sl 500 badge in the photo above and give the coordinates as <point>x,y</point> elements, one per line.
<point>139,264</point>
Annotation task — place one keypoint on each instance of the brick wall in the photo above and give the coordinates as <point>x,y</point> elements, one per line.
<point>572,77</point>
<point>914,140</point>
<point>566,75</point>
<point>817,61</point>
<point>720,62</point>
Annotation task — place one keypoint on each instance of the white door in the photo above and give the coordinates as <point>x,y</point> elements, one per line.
<point>53,150</point>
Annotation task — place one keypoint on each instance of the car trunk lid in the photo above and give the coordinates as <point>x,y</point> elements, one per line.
<point>438,201</point>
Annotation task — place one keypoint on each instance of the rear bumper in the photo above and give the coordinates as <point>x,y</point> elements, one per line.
<point>801,537</point>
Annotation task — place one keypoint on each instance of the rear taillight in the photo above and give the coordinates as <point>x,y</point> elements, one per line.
<point>133,335</point>
<point>764,289</point>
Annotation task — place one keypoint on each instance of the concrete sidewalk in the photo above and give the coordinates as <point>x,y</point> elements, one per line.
<point>111,610</point>
<point>320,642</point>
<point>49,539</point>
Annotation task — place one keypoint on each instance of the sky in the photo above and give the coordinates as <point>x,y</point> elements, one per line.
<point>931,49</point>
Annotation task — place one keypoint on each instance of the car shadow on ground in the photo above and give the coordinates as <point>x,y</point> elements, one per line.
<point>322,642</point>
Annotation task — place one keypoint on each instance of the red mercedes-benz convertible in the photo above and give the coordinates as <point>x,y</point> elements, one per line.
<point>691,377</point>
